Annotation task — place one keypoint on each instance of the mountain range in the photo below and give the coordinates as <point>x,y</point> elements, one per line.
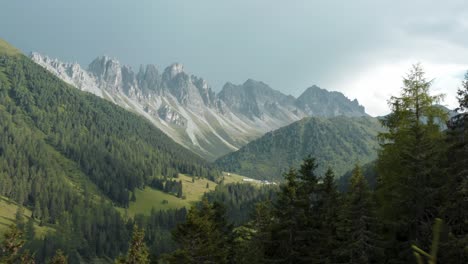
<point>188,110</point>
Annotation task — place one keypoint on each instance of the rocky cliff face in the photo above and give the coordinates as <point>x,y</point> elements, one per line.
<point>186,108</point>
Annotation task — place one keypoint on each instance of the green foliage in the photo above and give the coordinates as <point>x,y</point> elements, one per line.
<point>408,164</point>
<point>455,188</point>
<point>64,152</point>
<point>338,142</point>
<point>240,199</point>
<point>19,219</point>
<point>359,241</point>
<point>297,224</point>
<point>11,245</point>
<point>7,49</point>
<point>43,118</point>
<point>59,258</point>
<point>138,251</point>
<point>204,237</point>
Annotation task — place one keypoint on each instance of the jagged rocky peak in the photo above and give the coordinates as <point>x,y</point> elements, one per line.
<point>104,65</point>
<point>149,78</point>
<point>240,99</point>
<point>172,71</point>
<point>316,101</point>
<point>69,68</point>
<point>108,71</point>
<point>207,94</point>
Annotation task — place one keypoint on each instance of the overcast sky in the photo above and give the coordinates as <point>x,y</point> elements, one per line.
<point>361,48</point>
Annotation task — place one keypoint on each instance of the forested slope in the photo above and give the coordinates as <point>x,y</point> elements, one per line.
<point>339,142</point>
<point>48,125</point>
<point>70,157</point>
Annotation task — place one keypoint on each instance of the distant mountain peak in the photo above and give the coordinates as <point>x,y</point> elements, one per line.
<point>173,70</point>
<point>321,102</point>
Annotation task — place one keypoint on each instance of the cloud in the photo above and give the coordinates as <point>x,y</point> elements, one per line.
<point>360,47</point>
<point>374,86</point>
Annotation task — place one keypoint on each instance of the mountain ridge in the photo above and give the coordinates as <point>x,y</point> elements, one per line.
<point>338,142</point>
<point>186,108</point>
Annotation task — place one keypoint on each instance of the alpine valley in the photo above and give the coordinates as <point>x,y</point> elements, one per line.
<point>187,109</point>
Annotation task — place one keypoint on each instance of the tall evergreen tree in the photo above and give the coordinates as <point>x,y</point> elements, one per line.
<point>286,243</point>
<point>138,251</point>
<point>455,189</point>
<point>329,218</point>
<point>203,238</point>
<point>254,238</point>
<point>360,243</point>
<point>309,206</point>
<point>19,218</point>
<point>408,169</point>
<point>30,230</point>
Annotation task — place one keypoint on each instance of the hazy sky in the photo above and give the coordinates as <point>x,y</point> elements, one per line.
<point>361,48</point>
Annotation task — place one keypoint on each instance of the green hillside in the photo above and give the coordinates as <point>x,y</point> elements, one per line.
<point>338,142</point>
<point>8,210</point>
<point>87,137</point>
<point>70,157</point>
<point>148,198</point>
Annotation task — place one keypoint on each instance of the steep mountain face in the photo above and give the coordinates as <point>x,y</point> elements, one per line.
<point>320,102</point>
<point>186,108</point>
<point>338,142</point>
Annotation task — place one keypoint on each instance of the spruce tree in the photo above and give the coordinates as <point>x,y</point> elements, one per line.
<point>455,189</point>
<point>203,238</point>
<point>29,230</point>
<point>309,206</point>
<point>286,244</point>
<point>138,251</point>
<point>359,239</point>
<point>329,218</point>
<point>19,218</point>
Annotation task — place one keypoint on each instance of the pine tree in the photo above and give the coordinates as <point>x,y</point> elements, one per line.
<point>286,244</point>
<point>138,251</point>
<point>179,190</point>
<point>29,230</point>
<point>360,243</point>
<point>253,239</point>
<point>19,218</point>
<point>203,238</point>
<point>329,218</point>
<point>407,165</point>
<point>455,189</point>
<point>309,205</point>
